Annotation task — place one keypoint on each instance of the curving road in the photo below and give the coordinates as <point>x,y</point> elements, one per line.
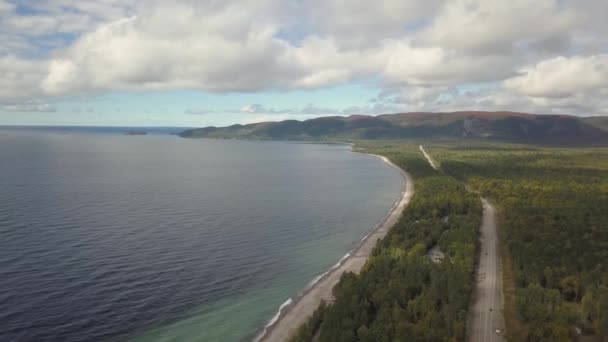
<point>486,319</point>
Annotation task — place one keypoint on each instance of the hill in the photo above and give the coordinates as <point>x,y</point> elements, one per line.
<point>597,121</point>
<point>497,126</point>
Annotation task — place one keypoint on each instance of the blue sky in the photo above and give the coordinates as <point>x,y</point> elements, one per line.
<point>191,108</point>
<point>199,63</point>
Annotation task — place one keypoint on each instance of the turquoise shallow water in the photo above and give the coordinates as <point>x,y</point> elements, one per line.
<point>158,238</point>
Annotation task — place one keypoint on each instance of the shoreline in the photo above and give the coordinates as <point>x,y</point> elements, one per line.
<point>296,310</point>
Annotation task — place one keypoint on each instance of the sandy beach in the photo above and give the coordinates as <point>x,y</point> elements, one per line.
<point>296,311</point>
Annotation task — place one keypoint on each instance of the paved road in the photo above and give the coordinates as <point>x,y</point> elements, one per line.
<point>306,303</point>
<point>486,315</point>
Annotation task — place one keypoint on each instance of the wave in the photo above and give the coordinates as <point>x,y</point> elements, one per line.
<point>276,316</point>
<point>316,280</point>
<point>365,237</point>
<point>340,261</point>
<point>274,319</point>
<point>288,302</point>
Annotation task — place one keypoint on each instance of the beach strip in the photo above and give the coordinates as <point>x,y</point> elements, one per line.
<point>298,309</point>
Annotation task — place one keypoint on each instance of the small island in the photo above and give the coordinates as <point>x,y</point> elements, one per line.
<point>136,133</point>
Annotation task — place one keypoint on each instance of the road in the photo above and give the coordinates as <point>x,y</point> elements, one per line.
<point>428,157</point>
<point>486,313</point>
<point>306,303</point>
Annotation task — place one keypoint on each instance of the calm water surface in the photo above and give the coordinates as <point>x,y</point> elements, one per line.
<point>105,237</point>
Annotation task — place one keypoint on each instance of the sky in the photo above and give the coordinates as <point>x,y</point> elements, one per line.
<point>197,63</point>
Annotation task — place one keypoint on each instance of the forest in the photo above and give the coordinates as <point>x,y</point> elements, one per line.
<point>553,214</point>
<point>401,294</point>
<point>553,223</point>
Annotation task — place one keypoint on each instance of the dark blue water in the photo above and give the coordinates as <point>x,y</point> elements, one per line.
<point>159,238</point>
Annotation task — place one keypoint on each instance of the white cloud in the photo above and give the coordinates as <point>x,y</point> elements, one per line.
<point>314,110</point>
<point>577,84</point>
<point>11,43</point>
<point>31,107</point>
<point>261,113</point>
<point>101,9</point>
<point>421,50</point>
<point>495,26</point>
<point>234,51</point>
<point>31,24</point>
<point>59,16</point>
<point>562,77</point>
<point>6,6</point>
<point>438,66</point>
<point>254,108</point>
<point>364,23</point>
<point>20,78</point>
<point>309,109</point>
<point>193,111</point>
<point>147,53</point>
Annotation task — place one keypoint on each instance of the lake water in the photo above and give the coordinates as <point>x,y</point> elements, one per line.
<point>106,237</point>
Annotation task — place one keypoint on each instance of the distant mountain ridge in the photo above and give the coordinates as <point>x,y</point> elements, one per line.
<point>598,121</point>
<point>499,126</point>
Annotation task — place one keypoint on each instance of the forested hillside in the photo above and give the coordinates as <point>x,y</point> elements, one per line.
<point>598,121</point>
<point>401,295</point>
<point>554,220</point>
<point>560,130</point>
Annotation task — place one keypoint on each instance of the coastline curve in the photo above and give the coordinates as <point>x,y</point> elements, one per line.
<point>296,310</point>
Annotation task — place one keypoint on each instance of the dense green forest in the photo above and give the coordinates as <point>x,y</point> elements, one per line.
<point>554,225</point>
<point>401,295</point>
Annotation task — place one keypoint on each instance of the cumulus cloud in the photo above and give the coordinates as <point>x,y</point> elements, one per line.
<point>358,23</point>
<point>33,27</point>
<point>496,26</point>
<point>308,109</point>
<point>436,65</point>
<point>147,53</point>
<point>578,84</point>
<point>562,77</point>
<point>20,78</point>
<point>424,53</point>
